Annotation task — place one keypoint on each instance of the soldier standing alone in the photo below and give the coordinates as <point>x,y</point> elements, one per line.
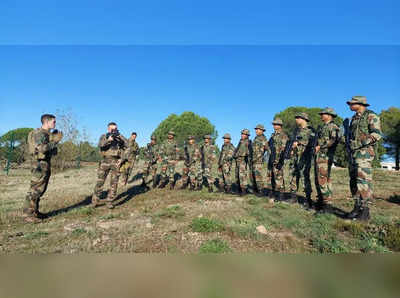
<point>225,164</point>
<point>209,156</point>
<point>365,131</point>
<point>42,147</point>
<point>328,137</point>
<point>112,149</point>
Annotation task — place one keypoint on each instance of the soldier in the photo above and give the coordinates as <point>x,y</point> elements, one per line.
<point>365,131</point>
<point>260,146</point>
<point>192,169</point>
<point>42,147</point>
<point>328,136</point>
<point>275,177</point>
<point>152,157</point>
<point>112,149</point>
<point>131,154</point>
<point>170,155</point>
<point>301,163</point>
<point>225,164</point>
<point>242,155</point>
<point>209,156</point>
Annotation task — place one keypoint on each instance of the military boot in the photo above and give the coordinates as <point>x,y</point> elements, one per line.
<point>228,189</point>
<point>292,197</point>
<point>184,186</point>
<point>221,188</point>
<point>363,215</point>
<point>171,186</point>
<point>353,214</point>
<point>308,203</point>
<point>210,189</point>
<point>163,183</point>
<point>192,187</point>
<point>258,193</point>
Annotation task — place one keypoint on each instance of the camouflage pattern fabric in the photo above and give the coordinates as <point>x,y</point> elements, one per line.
<point>151,163</point>
<point>275,177</point>
<point>40,170</point>
<point>242,169</point>
<point>327,140</point>
<point>113,153</point>
<point>131,152</point>
<point>260,146</point>
<point>366,131</point>
<point>169,152</point>
<point>210,156</point>
<point>224,168</point>
<point>301,156</point>
<point>192,169</point>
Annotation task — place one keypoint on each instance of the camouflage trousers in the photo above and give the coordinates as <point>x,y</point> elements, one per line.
<point>275,179</point>
<point>194,173</point>
<point>298,176</point>
<point>361,177</point>
<point>41,171</point>
<point>126,169</point>
<point>242,172</point>
<point>259,175</point>
<point>150,172</point>
<point>224,175</point>
<point>323,183</point>
<point>106,166</point>
<point>207,173</point>
<point>168,171</point>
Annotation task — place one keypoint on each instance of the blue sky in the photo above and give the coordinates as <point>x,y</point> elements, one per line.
<point>234,62</point>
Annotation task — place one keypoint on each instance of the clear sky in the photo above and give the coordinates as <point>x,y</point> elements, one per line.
<point>236,63</point>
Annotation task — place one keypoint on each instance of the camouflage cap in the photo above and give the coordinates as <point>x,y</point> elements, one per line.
<point>245,131</point>
<point>153,137</point>
<point>362,100</point>
<point>171,132</point>
<point>277,121</point>
<point>190,137</point>
<point>260,126</point>
<point>302,116</point>
<point>207,137</point>
<point>329,111</point>
<point>227,136</point>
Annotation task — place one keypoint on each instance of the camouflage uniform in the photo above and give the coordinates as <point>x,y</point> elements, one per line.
<point>152,156</point>
<point>260,146</point>
<point>225,164</point>
<point>169,151</point>
<point>275,177</point>
<point>301,161</point>
<point>365,133</point>
<point>45,149</point>
<point>242,158</point>
<point>112,153</point>
<point>131,153</point>
<point>328,136</point>
<point>209,153</point>
<point>192,169</point>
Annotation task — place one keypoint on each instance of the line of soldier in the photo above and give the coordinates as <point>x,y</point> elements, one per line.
<point>297,151</point>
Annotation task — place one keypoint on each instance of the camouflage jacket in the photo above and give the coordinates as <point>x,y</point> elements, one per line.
<point>115,148</point>
<point>260,145</point>
<point>132,150</point>
<point>365,130</point>
<point>280,139</point>
<point>304,138</point>
<point>226,154</point>
<point>152,153</point>
<point>209,154</point>
<point>328,137</point>
<point>194,154</point>
<point>169,150</point>
<point>44,149</point>
<point>242,150</point>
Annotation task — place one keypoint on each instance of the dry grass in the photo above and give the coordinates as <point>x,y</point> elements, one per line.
<point>161,221</point>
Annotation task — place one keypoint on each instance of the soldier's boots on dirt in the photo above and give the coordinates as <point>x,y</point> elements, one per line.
<point>229,190</point>
<point>221,188</point>
<point>210,189</point>
<point>163,183</point>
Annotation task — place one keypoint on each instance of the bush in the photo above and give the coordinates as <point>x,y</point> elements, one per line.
<point>215,246</point>
<point>206,225</point>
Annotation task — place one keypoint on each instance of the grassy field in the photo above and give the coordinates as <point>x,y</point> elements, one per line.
<point>180,221</point>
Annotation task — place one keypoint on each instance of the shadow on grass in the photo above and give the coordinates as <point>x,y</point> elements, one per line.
<point>395,199</point>
<point>127,195</point>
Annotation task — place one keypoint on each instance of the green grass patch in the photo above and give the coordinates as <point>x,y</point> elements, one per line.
<point>175,211</point>
<point>391,236</point>
<point>78,232</point>
<point>215,246</point>
<point>110,216</point>
<point>330,244</point>
<point>206,225</point>
<point>36,235</point>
